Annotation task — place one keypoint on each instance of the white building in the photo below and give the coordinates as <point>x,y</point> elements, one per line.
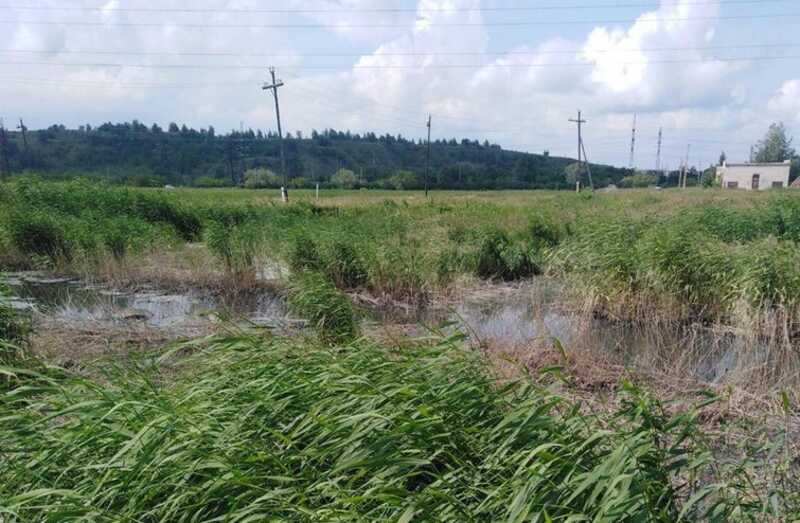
<point>754,176</point>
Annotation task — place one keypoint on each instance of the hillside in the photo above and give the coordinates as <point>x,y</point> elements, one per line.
<point>137,154</point>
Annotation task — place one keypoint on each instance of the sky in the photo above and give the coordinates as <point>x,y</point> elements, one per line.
<point>712,74</point>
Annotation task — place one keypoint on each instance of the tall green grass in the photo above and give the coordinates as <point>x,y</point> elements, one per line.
<point>68,224</point>
<point>268,430</point>
<point>314,297</point>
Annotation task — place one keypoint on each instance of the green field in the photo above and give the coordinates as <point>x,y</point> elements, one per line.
<point>336,424</point>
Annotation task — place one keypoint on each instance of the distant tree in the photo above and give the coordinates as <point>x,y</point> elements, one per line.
<point>722,158</point>
<point>261,179</point>
<point>709,177</point>
<point>210,182</point>
<point>639,180</point>
<point>776,146</point>
<point>299,183</point>
<point>403,180</point>
<point>344,178</point>
<point>572,172</point>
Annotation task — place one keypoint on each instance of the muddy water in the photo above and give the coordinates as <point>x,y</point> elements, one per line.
<point>525,316</point>
<point>520,317</point>
<point>76,301</point>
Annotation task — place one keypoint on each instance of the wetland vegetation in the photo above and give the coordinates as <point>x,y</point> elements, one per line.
<point>385,403</point>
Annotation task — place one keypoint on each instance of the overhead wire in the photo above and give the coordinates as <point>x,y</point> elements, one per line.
<point>514,65</point>
<point>512,52</point>
<point>378,10</point>
<point>337,25</point>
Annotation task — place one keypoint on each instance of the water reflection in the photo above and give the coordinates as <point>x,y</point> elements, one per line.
<point>75,301</point>
<point>517,317</point>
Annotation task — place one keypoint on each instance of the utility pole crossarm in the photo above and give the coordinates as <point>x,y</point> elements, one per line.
<point>581,149</point>
<point>267,87</point>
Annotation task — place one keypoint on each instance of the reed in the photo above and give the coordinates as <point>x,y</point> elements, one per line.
<point>274,430</point>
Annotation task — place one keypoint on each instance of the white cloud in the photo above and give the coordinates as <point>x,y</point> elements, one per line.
<point>786,102</point>
<point>526,94</point>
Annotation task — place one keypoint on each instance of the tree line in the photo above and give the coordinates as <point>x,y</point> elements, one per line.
<point>137,154</point>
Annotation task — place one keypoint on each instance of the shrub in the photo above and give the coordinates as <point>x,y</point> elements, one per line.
<point>313,297</point>
<point>498,257</point>
<point>261,179</point>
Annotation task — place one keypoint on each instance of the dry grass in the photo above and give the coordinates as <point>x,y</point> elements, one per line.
<point>78,346</point>
<point>184,267</point>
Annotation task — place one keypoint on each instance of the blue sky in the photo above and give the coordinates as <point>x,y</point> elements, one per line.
<point>513,72</point>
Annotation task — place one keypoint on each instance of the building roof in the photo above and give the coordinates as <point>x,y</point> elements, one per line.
<point>787,163</point>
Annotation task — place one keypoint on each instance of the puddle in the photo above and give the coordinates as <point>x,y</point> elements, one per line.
<point>532,314</point>
<point>74,300</point>
<point>519,316</point>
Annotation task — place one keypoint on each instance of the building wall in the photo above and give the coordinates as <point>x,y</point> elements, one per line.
<point>740,176</point>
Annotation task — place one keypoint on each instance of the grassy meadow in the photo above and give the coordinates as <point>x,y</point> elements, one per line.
<point>331,425</point>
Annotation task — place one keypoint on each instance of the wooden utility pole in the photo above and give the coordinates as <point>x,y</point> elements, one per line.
<point>588,168</point>
<point>428,158</point>
<point>633,143</point>
<point>26,155</point>
<point>658,152</point>
<point>4,151</point>
<point>274,88</point>
<point>686,165</point>
<point>581,149</point>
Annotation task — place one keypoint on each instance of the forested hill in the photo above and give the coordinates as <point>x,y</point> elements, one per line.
<point>137,154</point>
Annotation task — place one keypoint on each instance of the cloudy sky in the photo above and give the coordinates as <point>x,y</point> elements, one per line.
<point>711,73</point>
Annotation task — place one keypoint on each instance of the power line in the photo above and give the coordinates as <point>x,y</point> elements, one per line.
<point>403,66</point>
<point>509,24</point>
<point>378,10</point>
<point>383,54</point>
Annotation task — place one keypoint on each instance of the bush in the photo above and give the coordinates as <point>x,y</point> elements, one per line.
<point>313,297</point>
<point>261,179</point>
<point>498,257</point>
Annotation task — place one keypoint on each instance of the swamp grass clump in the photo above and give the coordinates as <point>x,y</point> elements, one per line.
<point>499,257</point>
<point>314,297</point>
<point>237,246</point>
<point>269,430</point>
<point>15,327</point>
<point>700,265</point>
<point>34,232</point>
<point>77,226</point>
